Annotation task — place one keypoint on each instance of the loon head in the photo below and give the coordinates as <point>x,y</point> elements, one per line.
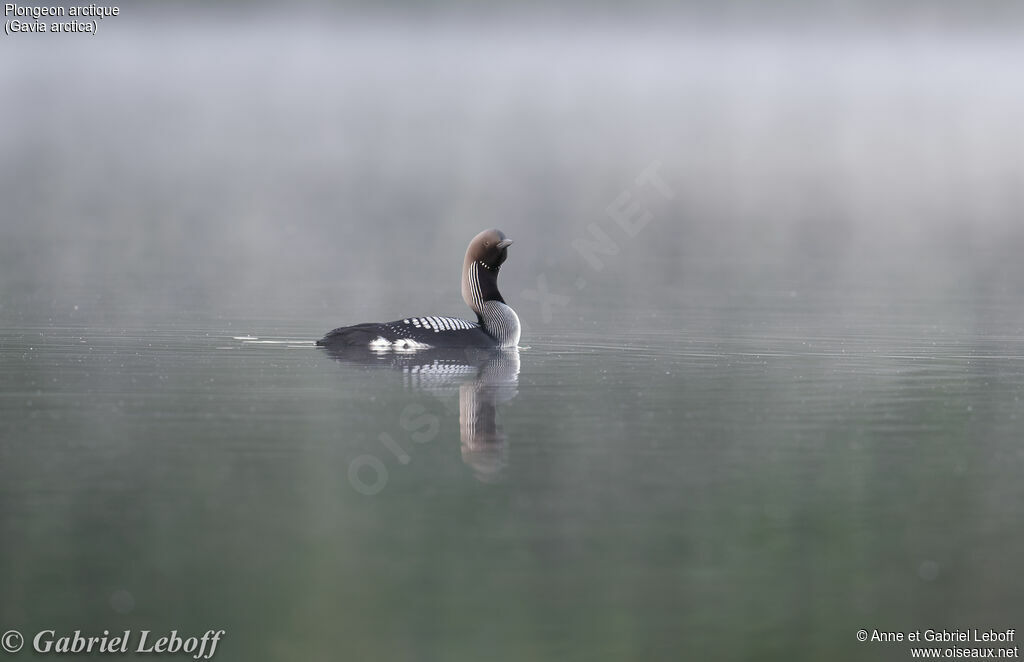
<point>484,258</point>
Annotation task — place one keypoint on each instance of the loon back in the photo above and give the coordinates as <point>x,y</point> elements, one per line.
<point>497,324</point>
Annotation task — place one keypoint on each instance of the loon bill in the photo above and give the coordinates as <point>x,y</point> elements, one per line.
<point>496,325</point>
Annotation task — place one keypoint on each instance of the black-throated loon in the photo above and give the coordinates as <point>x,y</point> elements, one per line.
<point>497,324</point>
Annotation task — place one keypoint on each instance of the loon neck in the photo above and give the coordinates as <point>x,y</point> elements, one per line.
<point>480,285</point>
<point>480,291</point>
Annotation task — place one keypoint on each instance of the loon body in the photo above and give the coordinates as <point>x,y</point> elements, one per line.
<point>496,325</point>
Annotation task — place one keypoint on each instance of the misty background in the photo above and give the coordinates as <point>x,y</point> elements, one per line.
<point>286,157</point>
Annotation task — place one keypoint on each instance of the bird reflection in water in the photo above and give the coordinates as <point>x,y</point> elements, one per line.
<point>484,380</point>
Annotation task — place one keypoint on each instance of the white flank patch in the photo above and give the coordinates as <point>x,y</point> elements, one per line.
<point>408,345</point>
<point>401,345</point>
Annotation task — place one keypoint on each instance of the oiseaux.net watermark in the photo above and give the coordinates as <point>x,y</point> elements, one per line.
<point>941,643</point>
<point>198,647</point>
<point>630,213</point>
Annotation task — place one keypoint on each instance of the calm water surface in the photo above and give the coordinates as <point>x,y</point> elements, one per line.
<point>788,408</point>
<point>630,492</point>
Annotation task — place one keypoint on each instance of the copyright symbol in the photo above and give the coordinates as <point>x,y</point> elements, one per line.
<point>862,635</point>
<point>12,641</point>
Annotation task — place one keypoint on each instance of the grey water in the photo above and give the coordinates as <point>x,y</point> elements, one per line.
<point>768,391</point>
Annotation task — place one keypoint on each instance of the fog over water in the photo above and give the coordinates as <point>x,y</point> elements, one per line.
<point>769,277</point>
<point>206,155</point>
